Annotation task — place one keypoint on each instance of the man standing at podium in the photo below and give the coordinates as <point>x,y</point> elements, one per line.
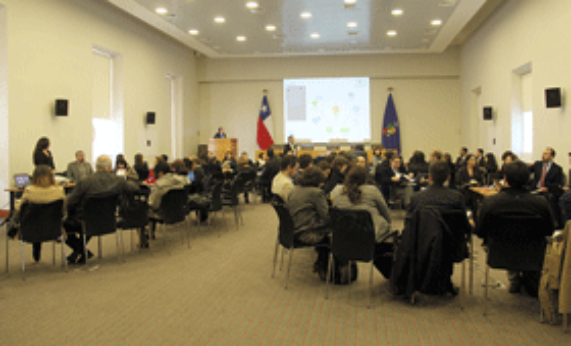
<point>220,133</point>
<point>290,146</point>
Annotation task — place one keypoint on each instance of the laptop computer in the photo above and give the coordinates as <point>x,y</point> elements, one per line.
<point>22,180</point>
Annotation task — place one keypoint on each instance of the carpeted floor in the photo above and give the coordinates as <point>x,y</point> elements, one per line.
<point>220,292</point>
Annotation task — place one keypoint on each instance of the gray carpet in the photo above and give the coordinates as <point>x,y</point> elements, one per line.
<point>220,292</point>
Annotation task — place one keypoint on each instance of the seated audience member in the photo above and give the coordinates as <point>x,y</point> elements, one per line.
<point>325,167</point>
<point>419,169</point>
<point>514,197</point>
<point>179,168</point>
<point>282,183</point>
<point>79,168</point>
<point>165,158</point>
<point>359,151</point>
<point>261,161</point>
<point>141,167</point>
<point>42,190</point>
<point>337,176</point>
<point>546,173</point>
<point>151,179</point>
<point>377,156</point>
<point>490,164</point>
<point>392,179</point>
<point>436,195</point>
<point>271,168</point>
<point>120,158</point>
<point>470,174</point>
<point>498,177</point>
<point>103,181</point>
<point>309,210</point>
<point>381,167</point>
<point>436,155</point>
<point>305,161</point>
<point>461,160</point>
<point>246,167</point>
<point>123,169</point>
<point>480,157</point>
<point>358,194</point>
<point>166,180</point>
<point>361,161</point>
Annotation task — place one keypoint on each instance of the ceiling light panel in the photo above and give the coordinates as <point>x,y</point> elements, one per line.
<point>161,10</point>
<point>397,12</point>
<point>306,15</point>
<point>252,5</point>
<point>219,19</point>
<point>270,27</point>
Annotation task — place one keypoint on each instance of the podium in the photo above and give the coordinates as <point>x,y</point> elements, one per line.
<point>219,147</point>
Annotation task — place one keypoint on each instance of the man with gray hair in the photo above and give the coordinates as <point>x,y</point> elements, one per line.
<point>103,181</point>
<point>79,168</point>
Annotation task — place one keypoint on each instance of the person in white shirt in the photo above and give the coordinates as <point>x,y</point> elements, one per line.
<point>283,182</point>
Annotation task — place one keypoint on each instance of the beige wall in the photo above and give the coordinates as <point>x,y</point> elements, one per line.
<point>50,56</point>
<point>426,93</point>
<point>521,32</point>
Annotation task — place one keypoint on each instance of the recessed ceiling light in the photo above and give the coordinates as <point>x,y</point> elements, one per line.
<point>391,33</point>
<point>436,22</point>
<point>220,19</point>
<point>315,35</point>
<point>397,12</point>
<point>352,25</point>
<point>241,38</point>
<point>252,5</point>
<point>305,15</point>
<point>161,10</point>
<point>270,27</point>
<point>350,2</point>
<point>193,32</point>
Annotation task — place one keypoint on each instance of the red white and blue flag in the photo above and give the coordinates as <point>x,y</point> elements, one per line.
<point>265,126</point>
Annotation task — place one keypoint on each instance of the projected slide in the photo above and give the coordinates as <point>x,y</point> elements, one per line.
<point>327,109</point>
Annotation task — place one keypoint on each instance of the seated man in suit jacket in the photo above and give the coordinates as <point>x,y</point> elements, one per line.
<point>103,181</point>
<point>547,173</point>
<point>392,177</point>
<point>515,198</point>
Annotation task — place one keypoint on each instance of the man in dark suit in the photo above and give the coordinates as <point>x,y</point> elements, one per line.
<point>547,173</point>
<point>392,177</point>
<point>220,133</point>
<point>480,158</point>
<point>103,181</point>
<point>462,158</point>
<point>290,148</point>
<point>515,198</point>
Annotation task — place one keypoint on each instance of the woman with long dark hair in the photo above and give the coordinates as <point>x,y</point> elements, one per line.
<point>42,155</point>
<point>358,194</point>
<point>470,173</point>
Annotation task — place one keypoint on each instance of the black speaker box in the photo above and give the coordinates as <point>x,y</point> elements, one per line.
<point>150,119</point>
<point>62,107</point>
<point>488,113</point>
<point>553,98</point>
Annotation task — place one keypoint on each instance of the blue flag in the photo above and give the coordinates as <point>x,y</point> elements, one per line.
<point>391,127</point>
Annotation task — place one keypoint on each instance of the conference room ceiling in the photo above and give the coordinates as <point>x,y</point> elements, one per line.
<point>333,28</point>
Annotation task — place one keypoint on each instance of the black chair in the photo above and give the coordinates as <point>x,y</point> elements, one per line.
<point>230,199</point>
<point>250,182</point>
<point>41,222</point>
<point>517,242</point>
<point>174,210</point>
<point>134,213</point>
<point>99,219</point>
<point>353,239</point>
<point>286,238</point>
<point>216,205</point>
<point>460,243</point>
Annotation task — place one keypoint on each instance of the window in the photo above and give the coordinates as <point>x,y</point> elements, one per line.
<point>107,117</point>
<point>176,115</point>
<point>522,113</point>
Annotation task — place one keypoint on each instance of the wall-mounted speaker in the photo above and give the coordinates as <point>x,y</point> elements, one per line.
<point>62,107</point>
<point>488,113</point>
<point>553,98</point>
<point>150,118</point>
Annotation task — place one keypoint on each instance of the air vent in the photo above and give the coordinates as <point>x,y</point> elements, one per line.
<point>447,3</point>
<point>353,33</point>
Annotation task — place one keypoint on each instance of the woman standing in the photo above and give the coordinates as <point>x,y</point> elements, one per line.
<point>42,155</point>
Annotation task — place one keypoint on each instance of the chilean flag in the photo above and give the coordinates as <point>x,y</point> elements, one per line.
<point>265,126</point>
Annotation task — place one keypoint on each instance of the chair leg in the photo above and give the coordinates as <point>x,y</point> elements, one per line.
<point>275,257</point>
<point>54,252</point>
<point>330,271</point>
<point>289,267</point>
<point>565,323</point>
<point>486,275</point>
<point>99,248</point>
<point>282,261</point>
<point>7,255</point>
<point>63,256</point>
<point>131,234</point>
<point>188,238</point>
<point>471,282</point>
<point>463,284</point>
<point>23,260</point>
<point>371,285</point>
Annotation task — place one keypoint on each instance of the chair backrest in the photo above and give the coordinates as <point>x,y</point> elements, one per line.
<point>99,214</point>
<point>216,202</point>
<point>41,221</point>
<point>135,211</point>
<point>286,227</point>
<point>277,199</point>
<point>353,235</point>
<point>460,233</point>
<point>517,242</point>
<point>173,206</point>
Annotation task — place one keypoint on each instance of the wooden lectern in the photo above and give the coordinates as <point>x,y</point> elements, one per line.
<point>219,147</point>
